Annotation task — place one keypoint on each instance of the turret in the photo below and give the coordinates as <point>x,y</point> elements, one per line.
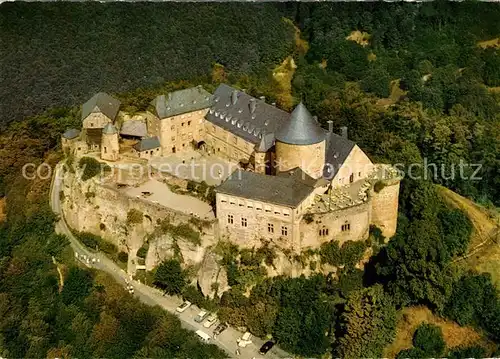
<point>301,143</point>
<point>110,147</point>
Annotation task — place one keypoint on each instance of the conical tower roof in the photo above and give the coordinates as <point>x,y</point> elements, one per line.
<point>301,128</point>
<point>109,129</point>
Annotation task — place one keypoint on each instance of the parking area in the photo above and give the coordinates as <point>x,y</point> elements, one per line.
<point>195,166</point>
<point>158,192</point>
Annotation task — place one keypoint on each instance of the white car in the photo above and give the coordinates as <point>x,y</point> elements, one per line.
<point>212,318</point>
<point>201,316</point>
<point>244,340</point>
<point>181,308</point>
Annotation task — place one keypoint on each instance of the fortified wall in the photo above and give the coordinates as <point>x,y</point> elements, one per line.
<point>89,206</point>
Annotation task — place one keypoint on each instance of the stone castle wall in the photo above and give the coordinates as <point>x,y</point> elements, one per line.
<point>102,210</point>
<point>96,120</point>
<point>328,226</point>
<point>224,144</point>
<point>310,159</point>
<point>110,147</point>
<point>385,207</point>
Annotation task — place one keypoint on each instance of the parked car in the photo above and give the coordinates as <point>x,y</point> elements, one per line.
<point>212,318</point>
<point>203,336</point>
<point>220,328</point>
<point>181,308</point>
<point>266,347</point>
<point>244,340</point>
<point>201,316</point>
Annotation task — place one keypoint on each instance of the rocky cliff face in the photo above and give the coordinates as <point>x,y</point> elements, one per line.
<point>101,209</point>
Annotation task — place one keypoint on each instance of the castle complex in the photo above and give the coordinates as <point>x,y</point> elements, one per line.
<point>298,185</point>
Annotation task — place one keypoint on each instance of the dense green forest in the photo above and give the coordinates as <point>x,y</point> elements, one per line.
<point>88,314</point>
<point>446,113</point>
<point>60,54</point>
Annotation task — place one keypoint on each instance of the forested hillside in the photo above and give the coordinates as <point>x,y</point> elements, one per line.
<point>86,314</point>
<point>412,82</point>
<point>60,54</point>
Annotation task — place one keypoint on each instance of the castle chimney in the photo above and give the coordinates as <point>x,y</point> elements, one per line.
<point>263,98</point>
<point>330,126</point>
<point>343,131</point>
<point>234,97</point>
<point>252,105</point>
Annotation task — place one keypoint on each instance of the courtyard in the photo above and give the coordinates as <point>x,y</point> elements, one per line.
<point>159,193</point>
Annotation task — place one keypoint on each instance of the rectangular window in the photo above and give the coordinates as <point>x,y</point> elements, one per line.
<point>189,123</point>
<point>267,209</point>
<point>249,205</point>
<point>270,228</point>
<point>230,219</point>
<point>277,211</point>
<point>182,124</point>
<point>173,139</point>
<point>346,227</point>
<point>286,213</point>
<point>223,199</point>
<point>231,201</point>
<point>243,222</point>
<point>284,230</point>
<point>323,232</point>
<point>258,207</point>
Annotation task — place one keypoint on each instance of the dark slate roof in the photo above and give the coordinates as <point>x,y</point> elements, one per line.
<point>280,190</point>
<point>182,101</point>
<point>266,142</point>
<point>103,103</point>
<point>299,175</point>
<point>147,144</point>
<point>71,133</point>
<point>134,128</point>
<point>336,152</point>
<point>243,115</point>
<point>301,128</point>
<point>109,129</point>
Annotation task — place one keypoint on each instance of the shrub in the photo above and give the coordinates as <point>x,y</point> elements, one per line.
<point>352,252</point>
<point>143,251</point>
<point>467,352</point>
<point>95,242</point>
<point>90,166</point>
<point>123,257</point>
<point>429,339</point>
<point>330,253</point>
<point>191,186</point>
<point>379,186</point>
<point>170,277</point>
<point>134,216</point>
<point>308,218</point>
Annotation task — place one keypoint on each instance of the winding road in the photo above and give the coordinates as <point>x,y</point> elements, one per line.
<point>152,296</point>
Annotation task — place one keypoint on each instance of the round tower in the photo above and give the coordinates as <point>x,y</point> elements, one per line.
<point>109,143</point>
<point>301,143</point>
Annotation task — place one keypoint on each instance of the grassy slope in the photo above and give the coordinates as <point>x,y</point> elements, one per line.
<point>484,249</point>
<point>454,335</point>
